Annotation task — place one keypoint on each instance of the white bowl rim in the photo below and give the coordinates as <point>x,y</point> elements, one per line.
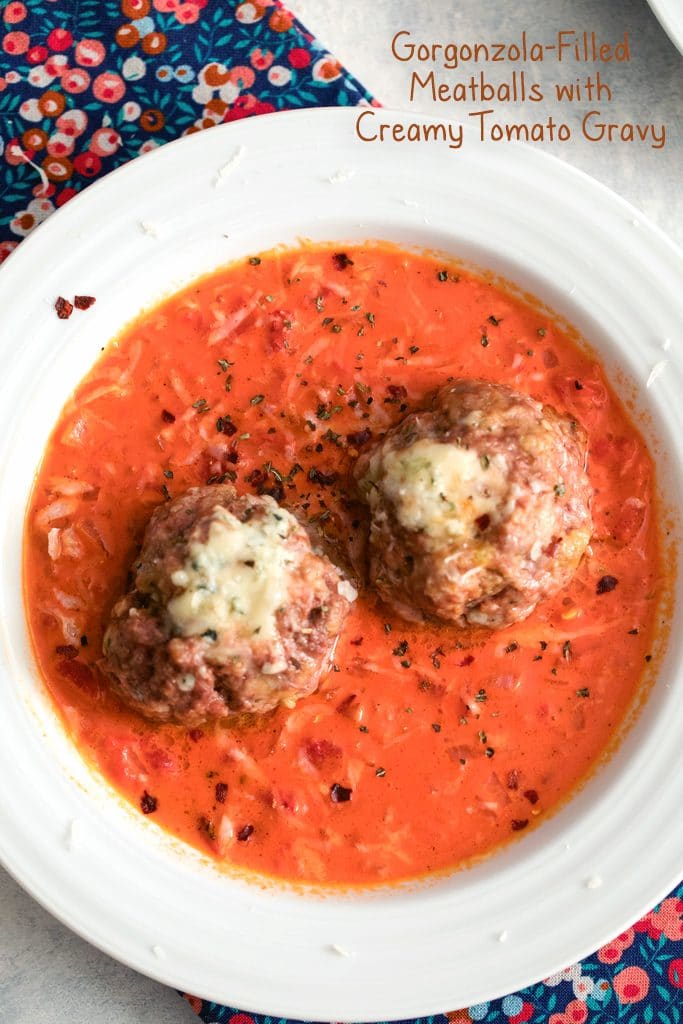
<point>416,950</point>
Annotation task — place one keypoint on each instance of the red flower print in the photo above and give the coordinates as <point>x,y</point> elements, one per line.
<point>676,973</point>
<point>16,43</point>
<point>261,59</point>
<point>610,954</point>
<point>60,39</point>
<point>299,58</point>
<point>631,985</point>
<point>241,1018</point>
<point>14,13</point>
<point>105,142</point>
<point>187,13</point>
<point>243,77</point>
<point>65,195</point>
<point>109,87</point>
<point>37,54</point>
<point>525,1014</point>
<point>668,920</point>
<point>87,164</point>
<point>5,249</point>
<point>76,80</point>
<point>576,1012</point>
<point>90,53</point>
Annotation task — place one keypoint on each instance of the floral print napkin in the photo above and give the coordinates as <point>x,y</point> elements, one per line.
<point>86,85</point>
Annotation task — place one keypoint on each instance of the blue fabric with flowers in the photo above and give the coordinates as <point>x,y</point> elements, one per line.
<point>86,85</point>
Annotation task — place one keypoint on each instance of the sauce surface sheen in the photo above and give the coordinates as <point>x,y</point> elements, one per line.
<point>271,373</point>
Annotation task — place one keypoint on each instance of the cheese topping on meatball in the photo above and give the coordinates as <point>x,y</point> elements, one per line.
<point>439,489</point>
<point>239,574</point>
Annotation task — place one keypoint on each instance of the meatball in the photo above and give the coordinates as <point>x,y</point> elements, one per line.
<point>230,611</point>
<point>480,506</point>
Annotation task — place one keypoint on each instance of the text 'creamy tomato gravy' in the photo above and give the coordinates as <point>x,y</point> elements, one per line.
<point>424,746</point>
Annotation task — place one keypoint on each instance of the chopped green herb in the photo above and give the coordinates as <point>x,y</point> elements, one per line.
<point>484,341</point>
<point>336,328</point>
<point>484,461</point>
<point>327,320</point>
<point>541,332</point>
<point>168,473</point>
<point>225,364</point>
<point>583,692</point>
<point>436,727</point>
<point>380,772</point>
<point>254,260</point>
<point>559,490</point>
<point>442,275</point>
<point>493,320</point>
<point>256,399</point>
<point>320,303</point>
<point>370,317</point>
<point>567,650</point>
<point>414,349</point>
<point>489,751</point>
<point>480,696</point>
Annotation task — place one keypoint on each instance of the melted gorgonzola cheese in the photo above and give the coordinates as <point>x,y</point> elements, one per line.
<point>440,489</point>
<point>237,578</point>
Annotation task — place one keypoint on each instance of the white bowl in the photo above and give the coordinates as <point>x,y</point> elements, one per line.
<point>669,14</point>
<point>113,876</point>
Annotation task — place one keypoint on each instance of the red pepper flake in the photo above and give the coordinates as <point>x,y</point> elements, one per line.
<point>64,308</point>
<point>148,803</point>
<point>67,651</point>
<point>245,833</point>
<point>531,795</point>
<point>519,823</point>
<point>511,647</point>
<point>467,660</point>
<point>339,794</point>
<point>357,642</point>
<point>167,416</point>
<point>84,301</point>
<point>345,706</point>
<point>206,825</point>
<point>482,522</point>
<point>195,735</point>
<point>341,260</point>
<point>606,584</point>
<point>221,792</point>
<point>513,779</point>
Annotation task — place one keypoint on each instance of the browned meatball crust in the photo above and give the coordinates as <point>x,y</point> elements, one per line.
<point>230,611</point>
<point>480,506</point>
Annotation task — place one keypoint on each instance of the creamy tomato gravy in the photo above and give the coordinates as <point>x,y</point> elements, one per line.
<point>273,372</point>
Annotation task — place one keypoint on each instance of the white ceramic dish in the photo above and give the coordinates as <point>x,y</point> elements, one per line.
<point>669,14</point>
<point>113,876</point>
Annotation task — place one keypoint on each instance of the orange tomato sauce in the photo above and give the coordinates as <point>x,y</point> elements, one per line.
<point>451,743</point>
